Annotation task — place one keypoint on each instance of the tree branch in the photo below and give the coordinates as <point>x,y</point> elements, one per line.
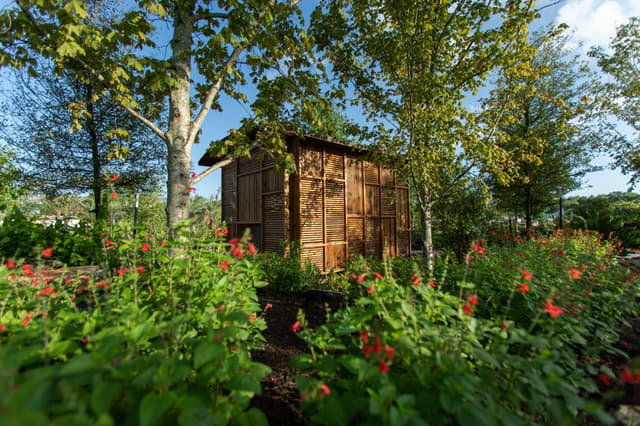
<point>224,162</point>
<point>212,94</point>
<point>47,37</point>
<point>212,15</point>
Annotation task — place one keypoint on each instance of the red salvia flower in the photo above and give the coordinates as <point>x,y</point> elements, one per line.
<point>123,271</point>
<point>479,249</point>
<point>9,264</point>
<point>114,178</point>
<point>224,264</point>
<point>575,273</point>
<point>27,269</point>
<point>416,281</point>
<point>383,367</point>
<point>191,190</point>
<point>524,288</point>
<point>47,290</point>
<point>268,306</point>
<point>389,352</point>
<point>364,336</point>
<point>527,275</point>
<point>605,379</point>
<point>467,309</point>
<point>361,278</point>
<point>48,252</point>
<point>552,310</point>
<point>432,284</point>
<point>295,327</point>
<point>85,340</point>
<point>251,249</point>
<point>145,247</point>
<point>371,289</point>
<point>2,327</point>
<point>114,195</point>
<point>473,299</point>
<point>140,269</point>
<point>377,276</point>
<point>325,389</point>
<point>377,346</point>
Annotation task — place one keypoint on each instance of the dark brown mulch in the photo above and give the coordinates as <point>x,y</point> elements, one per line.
<point>280,400</point>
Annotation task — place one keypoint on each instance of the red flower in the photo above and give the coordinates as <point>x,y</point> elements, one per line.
<point>416,281</point>
<point>473,299</point>
<point>389,351</point>
<point>479,249</point>
<point>207,213</point>
<point>575,273</point>
<point>605,379</point>
<point>377,347</point>
<point>377,275</point>
<point>140,269</point>
<point>114,178</point>
<point>364,335</point>
<point>191,190</point>
<point>47,290</point>
<point>527,275</point>
<point>121,272</point>
<point>383,367</point>
<point>2,327</point>
<point>295,327</point>
<point>325,389</point>
<point>28,270</point>
<point>69,281</point>
<point>237,252</point>
<point>361,278</point>
<point>432,284</point>
<point>251,249</point>
<point>145,247</point>
<point>627,376</point>
<point>524,288</point>
<point>193,174</point>
<point>85,340</point>
<point>552,310</point>
<point>225,264</point>
<point>9,264</point>
<point>114,195</point>
<point>48,252</point>
<point>467,309</point>
<point>268,306</point>
<point>371,289</point>
<point>304,396</point>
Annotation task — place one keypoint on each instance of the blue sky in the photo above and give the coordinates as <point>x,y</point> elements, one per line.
<point>593,22</point>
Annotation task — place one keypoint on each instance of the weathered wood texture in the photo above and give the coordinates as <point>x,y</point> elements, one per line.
<point>337,205</point>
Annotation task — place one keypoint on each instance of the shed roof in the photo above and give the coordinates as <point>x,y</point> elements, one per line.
<point>209,160</point>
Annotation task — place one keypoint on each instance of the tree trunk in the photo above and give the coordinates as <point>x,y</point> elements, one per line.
<point>97,179</point>
<point>528,208</point>
<point>426,228</point>
<point>178,146</point>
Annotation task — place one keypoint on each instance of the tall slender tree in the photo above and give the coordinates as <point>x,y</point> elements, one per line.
<point>215,48</point>
<point>410,65</point>
<point>620,96</point>
<point>546,132</point>
<point>59,159</point>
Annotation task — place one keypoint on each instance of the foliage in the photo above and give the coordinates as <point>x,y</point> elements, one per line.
<point>615,215</point>
<point>460,219</point>
<point>165,339</point>
<point>620,95</point>
<point>512,336</point>
<point>216,48</point>
<point>410,67</point>
<point>22,238</point>
<point>60,153</point>
<point>546,133</point>
<point>287,272</point>
<point>10,181</point>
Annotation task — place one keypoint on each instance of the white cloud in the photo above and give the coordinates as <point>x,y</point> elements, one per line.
<point>594,22</point>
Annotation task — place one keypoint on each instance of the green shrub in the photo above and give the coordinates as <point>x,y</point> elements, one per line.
<point>164,339</point>
<point>474,345</point>
<point>287,273</point>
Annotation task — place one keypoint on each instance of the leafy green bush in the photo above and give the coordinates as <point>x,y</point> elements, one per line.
<point>510,336</point>
<point>287,272</point>
<point>21,238</point>
<point>164,339</point>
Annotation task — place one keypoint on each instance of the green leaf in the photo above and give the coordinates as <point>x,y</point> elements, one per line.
<point>79,364</point>
<point>207,352</point>
<point>152,407</point>
<point>102,396</point>
<point>251,417</point>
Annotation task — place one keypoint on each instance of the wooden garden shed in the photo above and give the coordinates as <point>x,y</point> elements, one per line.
<point>338,203</point>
